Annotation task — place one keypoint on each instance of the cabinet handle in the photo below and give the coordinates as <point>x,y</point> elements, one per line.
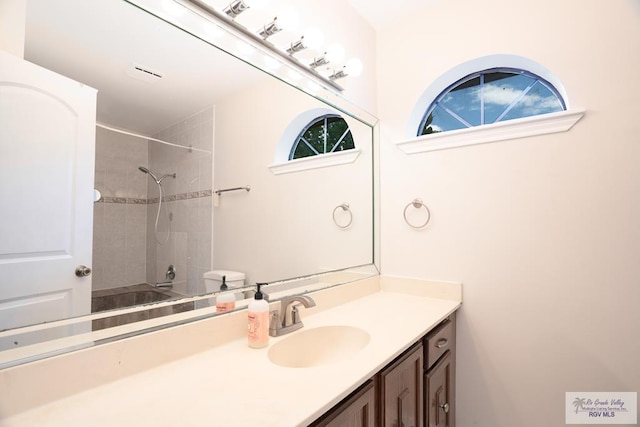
<point>445,407</point>
<point>442,342</point>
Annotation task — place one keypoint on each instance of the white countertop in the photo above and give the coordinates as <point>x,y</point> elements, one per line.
<point>233,385</point>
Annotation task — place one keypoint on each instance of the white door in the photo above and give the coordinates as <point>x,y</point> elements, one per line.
<point>47,143</point>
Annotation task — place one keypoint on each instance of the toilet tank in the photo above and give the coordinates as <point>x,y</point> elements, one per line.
<point>213,279</point>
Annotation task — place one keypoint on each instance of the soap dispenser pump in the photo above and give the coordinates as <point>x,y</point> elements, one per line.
<point>225,301</point>
<point>258,318</point>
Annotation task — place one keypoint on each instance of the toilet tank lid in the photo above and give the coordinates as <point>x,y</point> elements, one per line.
<point>232,276</point>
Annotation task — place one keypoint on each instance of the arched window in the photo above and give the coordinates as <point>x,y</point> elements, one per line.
<point>326,134</point>
<point>482,104</point>
<point>490,96</point>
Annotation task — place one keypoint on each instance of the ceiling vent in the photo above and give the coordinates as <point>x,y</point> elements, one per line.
<point>143,73</point>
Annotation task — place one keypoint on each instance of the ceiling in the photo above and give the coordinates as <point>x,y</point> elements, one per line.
<point>380,13</point>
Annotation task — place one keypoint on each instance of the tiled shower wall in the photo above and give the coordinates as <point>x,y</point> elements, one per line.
<point>188,202</point>
<point>126,251</point>
<point>119,222</point>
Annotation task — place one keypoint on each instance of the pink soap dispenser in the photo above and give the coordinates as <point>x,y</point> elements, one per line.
<point>225,301</point>
<point>258,320</point>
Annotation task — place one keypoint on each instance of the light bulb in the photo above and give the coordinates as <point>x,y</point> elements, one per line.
<point>236,7</point>
<point>313,38</point>
<point>353,67</point>
<point>255,4</point>
<point>288,19</point>
<point>335,53</point>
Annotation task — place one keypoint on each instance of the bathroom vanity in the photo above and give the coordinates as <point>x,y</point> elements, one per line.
<point>203,373</point>
<point>416,389</point>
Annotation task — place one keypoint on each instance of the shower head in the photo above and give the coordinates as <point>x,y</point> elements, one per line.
<point>147,171</point>
<point>158,181</point>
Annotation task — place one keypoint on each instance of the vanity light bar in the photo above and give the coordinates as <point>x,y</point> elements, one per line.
<point>223,20</point>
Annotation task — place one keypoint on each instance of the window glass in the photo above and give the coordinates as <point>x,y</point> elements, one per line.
<point>488,97</point>
<point>326,134</point>
<point>461,102</point>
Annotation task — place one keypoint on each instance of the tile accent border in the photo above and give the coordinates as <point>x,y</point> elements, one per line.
<point>169,198</point>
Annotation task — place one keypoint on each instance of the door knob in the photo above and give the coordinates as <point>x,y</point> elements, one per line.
<point>83,271</point>
<point>445,407</point>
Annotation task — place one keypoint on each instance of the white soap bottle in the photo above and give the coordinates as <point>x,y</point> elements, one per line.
<point>258,317</point>
<point>225,301</point>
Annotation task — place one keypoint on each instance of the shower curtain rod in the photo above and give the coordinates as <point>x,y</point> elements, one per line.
<point>137,135</point>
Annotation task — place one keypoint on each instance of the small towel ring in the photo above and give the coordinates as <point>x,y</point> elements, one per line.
<point>417,203</point>
<point>344,207</point>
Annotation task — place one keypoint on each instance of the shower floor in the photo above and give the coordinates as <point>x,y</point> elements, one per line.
<point>129,296</point>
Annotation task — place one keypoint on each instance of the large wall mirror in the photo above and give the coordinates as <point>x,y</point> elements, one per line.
<point>188,174</point>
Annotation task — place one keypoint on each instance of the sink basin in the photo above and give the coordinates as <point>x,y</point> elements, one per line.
<point>318,346</point>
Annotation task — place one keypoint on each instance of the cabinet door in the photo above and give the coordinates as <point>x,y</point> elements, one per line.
<point>401,393</point>
<point>357,411</point>
<point>438,392</point>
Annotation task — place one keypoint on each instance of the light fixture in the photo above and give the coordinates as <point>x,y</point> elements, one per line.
<point>352,68</point>
<point>311,39</point>
<point>287,19</point>
<point>318,61</point>
<point>334,53</point>
<point>236,7</point>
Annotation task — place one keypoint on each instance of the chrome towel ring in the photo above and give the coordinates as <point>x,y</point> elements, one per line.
<point>345,208</point>
<point>417,203</point>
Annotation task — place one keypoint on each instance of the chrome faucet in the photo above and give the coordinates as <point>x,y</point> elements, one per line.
<point>280,323</point>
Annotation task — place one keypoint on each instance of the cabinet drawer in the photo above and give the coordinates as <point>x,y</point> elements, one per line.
<point>438,342</point>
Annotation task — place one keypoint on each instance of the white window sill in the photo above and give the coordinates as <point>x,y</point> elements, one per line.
<point>519,128</point>
<point>314,162</point>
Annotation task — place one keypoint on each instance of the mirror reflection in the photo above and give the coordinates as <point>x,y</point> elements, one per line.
<point>178,122</point>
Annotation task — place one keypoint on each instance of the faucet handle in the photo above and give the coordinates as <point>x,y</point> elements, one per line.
<point>274,323</point>
<point>295,314</point>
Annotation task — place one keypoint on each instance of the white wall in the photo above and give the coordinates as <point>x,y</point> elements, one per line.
<point>543,232</point>
<point>12,18</point>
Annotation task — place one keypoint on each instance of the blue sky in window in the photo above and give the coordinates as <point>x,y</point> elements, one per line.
<point>498,96</point>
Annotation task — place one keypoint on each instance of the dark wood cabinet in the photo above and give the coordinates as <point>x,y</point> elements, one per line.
<point>438,394</point>
<point>400,390</point>
<point>439,375</point>
<point>417,389</point>
<point>358,410</point>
